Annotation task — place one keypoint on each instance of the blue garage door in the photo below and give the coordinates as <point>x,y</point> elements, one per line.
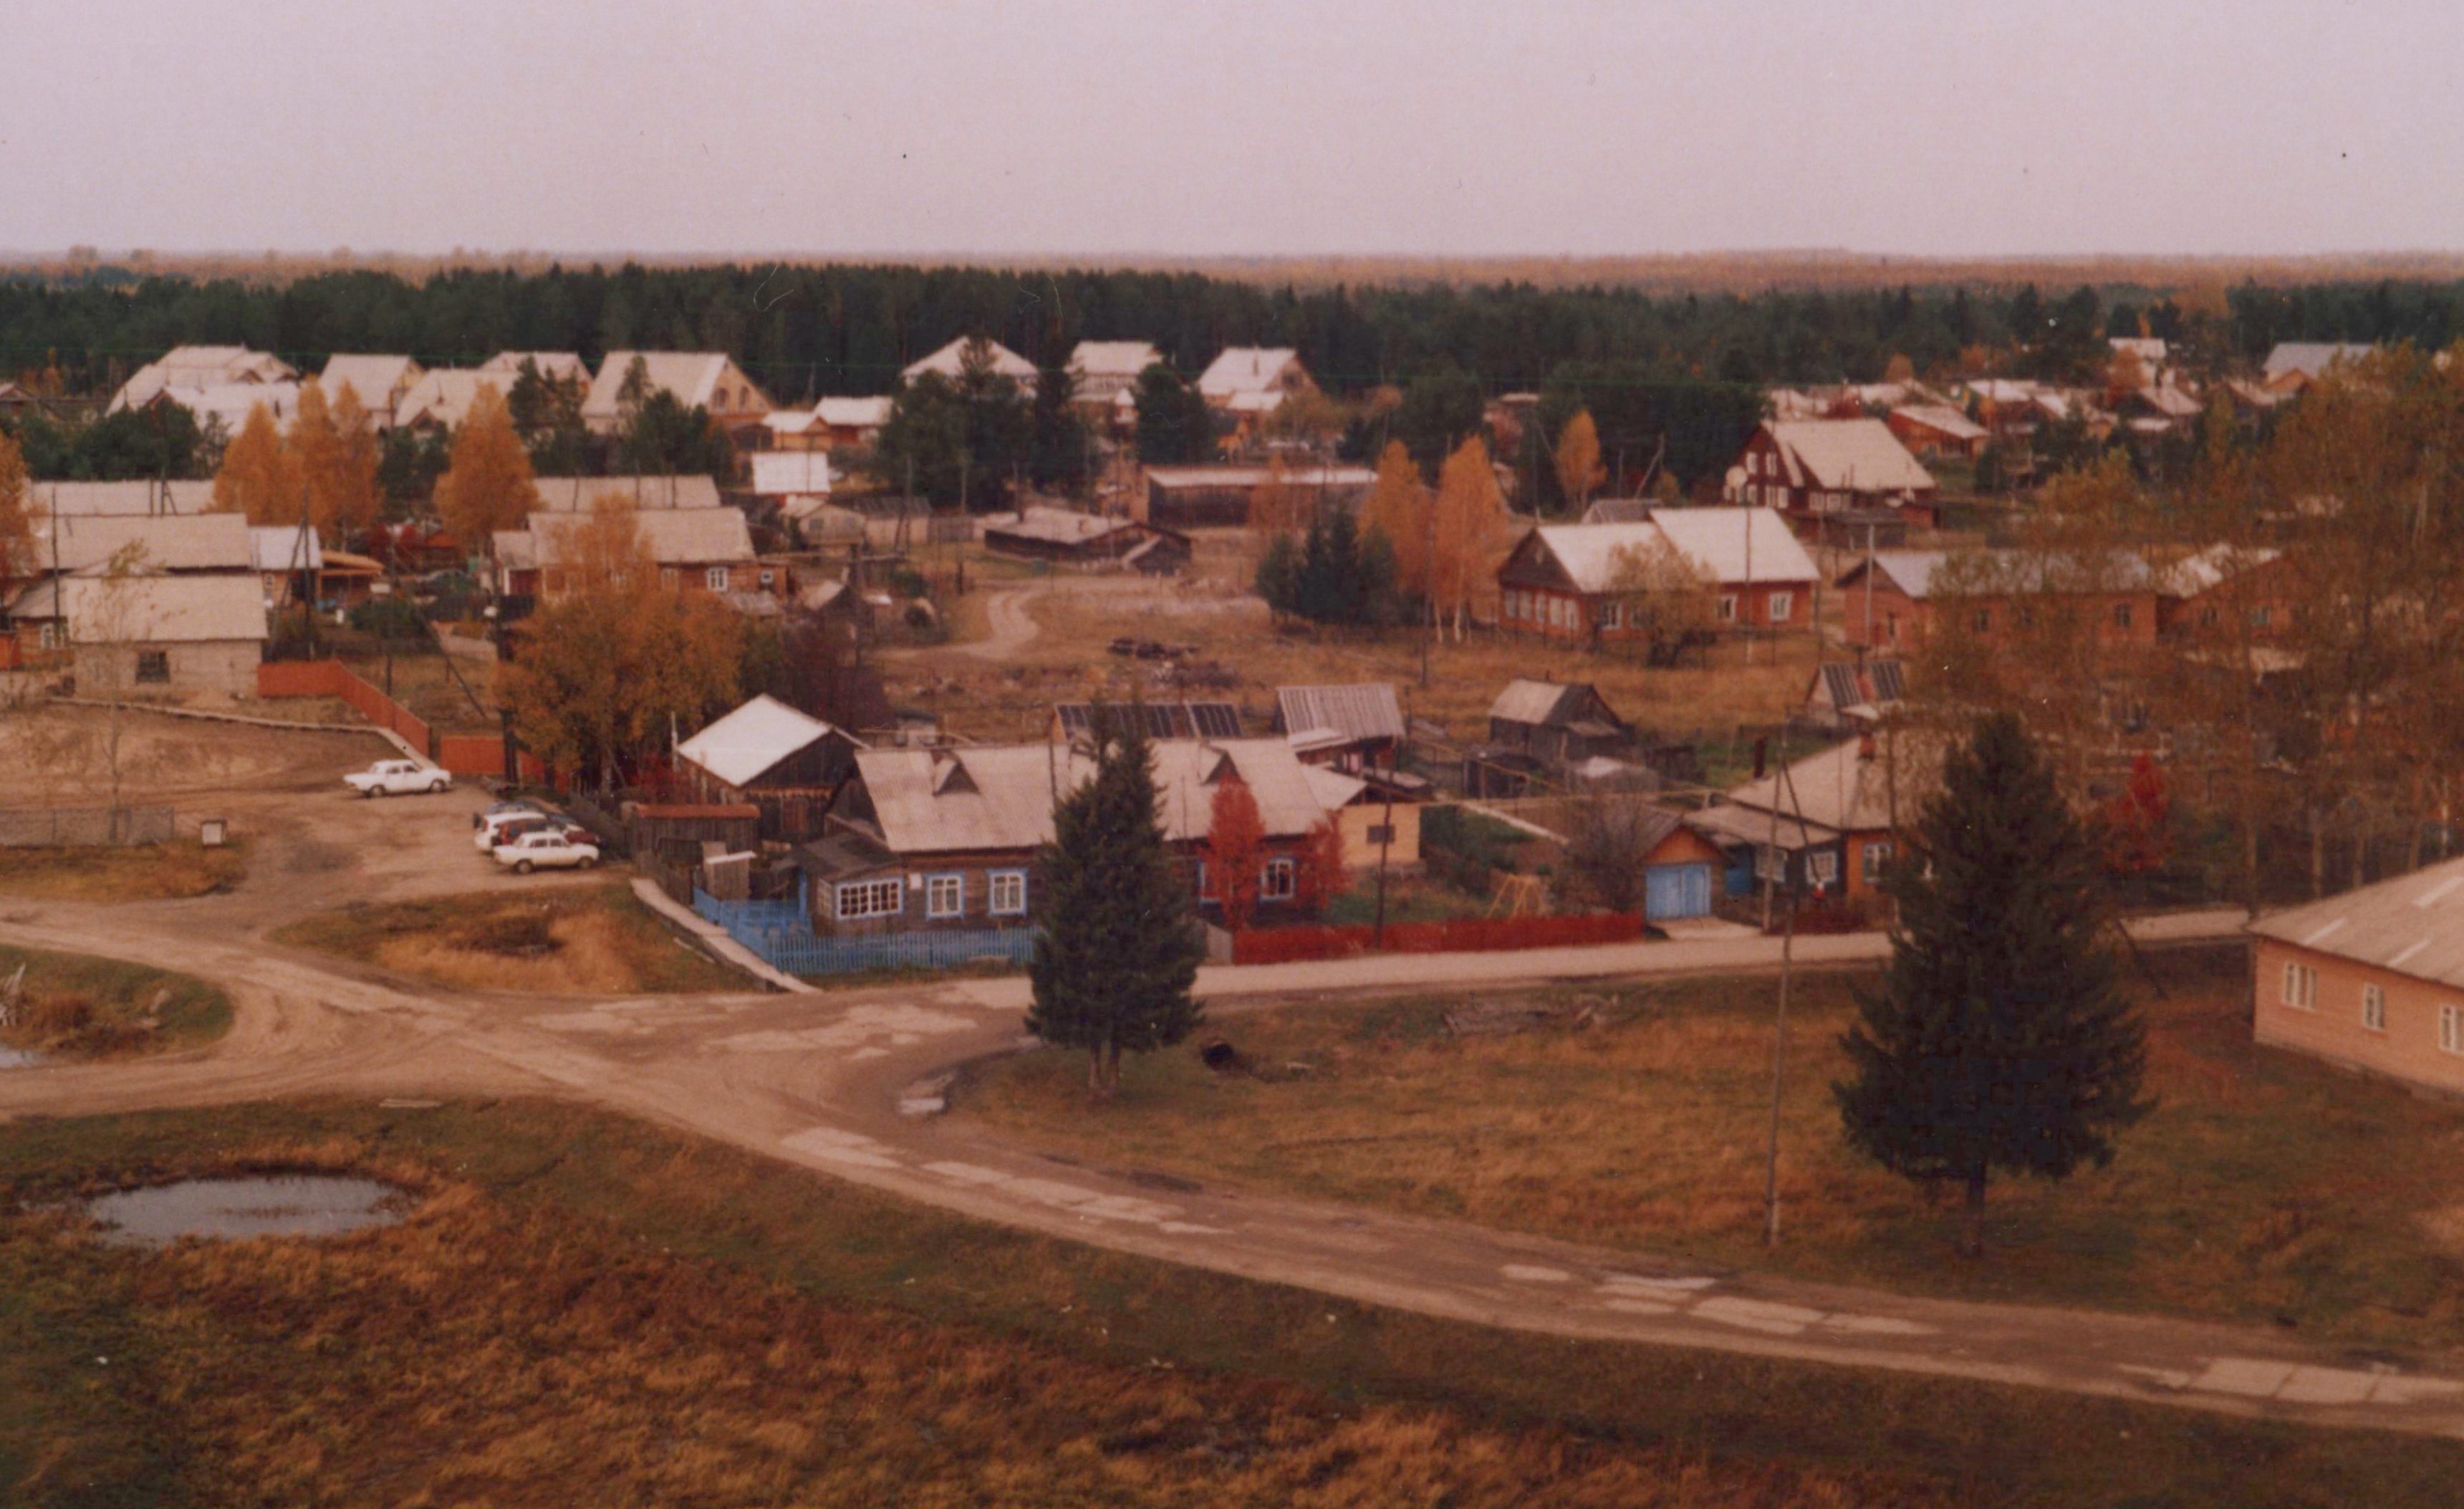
<point>1677,890</point>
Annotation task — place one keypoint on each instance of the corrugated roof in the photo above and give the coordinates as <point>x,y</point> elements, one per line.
<point>374,380</point>
<point>198,367</point>
<point>167,541</point>
<point>1164,721</point>
<point>680,536</point>
<point>1842,788</point>
<point>696,378</point>
<point>554,365</point>
<point>1000,797</point>
<point>1120,359</point>
<point>164,610</point>
<point>285,547</point>
<point>576,494</point>
<point>1360,712</point>
<point>1536,702</point>
<point>444,398</point>
<point>1244,369</point>
<point>740,746</point>
<point>1858,455</point>
<point>1718,538</point>
<point>1943,418</point>
<point>2412,924</point>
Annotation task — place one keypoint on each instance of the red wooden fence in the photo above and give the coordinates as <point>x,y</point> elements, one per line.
<point>1459,935</point>
<point>331,678</point>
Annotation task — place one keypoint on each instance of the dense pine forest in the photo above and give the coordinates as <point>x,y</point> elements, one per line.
<point>807,331</point>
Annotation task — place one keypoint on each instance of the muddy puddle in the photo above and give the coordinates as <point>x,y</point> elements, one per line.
<point>276,1205</point>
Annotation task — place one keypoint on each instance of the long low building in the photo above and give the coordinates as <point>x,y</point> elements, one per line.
<point>1191,497</point>
<point>1570,581</point>
<point>2372,979</point>
<point>149,635</point>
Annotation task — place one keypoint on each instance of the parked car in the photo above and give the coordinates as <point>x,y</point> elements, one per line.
<point>496,827</point>
<point>389,777</point>
<point>547,848</point>
<point>504,807</point>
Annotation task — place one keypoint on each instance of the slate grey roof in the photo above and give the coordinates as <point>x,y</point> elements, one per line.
<point>2412,924</point>
<point>1360,712</point>
<point>1537,702</point>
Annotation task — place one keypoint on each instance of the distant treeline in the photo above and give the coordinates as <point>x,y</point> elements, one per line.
<point>808,331</point>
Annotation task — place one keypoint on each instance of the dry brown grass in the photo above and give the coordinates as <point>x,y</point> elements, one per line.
<point>596,940</point>
<point>479,1353</point>
<point>143,872</point>
<point>75,1006</point>
<point>2265,1187</point>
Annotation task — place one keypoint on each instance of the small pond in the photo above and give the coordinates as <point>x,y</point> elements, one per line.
<point>273,1205</point>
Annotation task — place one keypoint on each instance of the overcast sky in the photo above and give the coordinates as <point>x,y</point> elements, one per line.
<point>1010,126</point>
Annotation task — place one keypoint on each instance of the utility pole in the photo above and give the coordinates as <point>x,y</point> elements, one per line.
<point>1779,1024</point>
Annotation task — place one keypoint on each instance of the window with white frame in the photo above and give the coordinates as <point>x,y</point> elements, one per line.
<point>1782,604</point>
<point>1612,614</point>
<point>945,895</point>
<point>1727,607</point>
<point>1876,859</point>
<point>769,579</point>
<point>857,900</point>
<point>1822,867</point>
<point>714,577</point>
<point>1008,893</point>
<point>1279,880</point>
<point>2451,1028</point>
<point>2374,1008</point>
<point>2300,987</point>
<point>51,636</point>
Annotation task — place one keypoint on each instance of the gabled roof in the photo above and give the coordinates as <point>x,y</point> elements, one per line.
<point>1943,418</point>
<point>374,380</point>
<point>230,404</point>
<point>1858,455</point>
<point>1918,574</point>
<point>696,378</point>
<point>1058,526</point>
<point>684,537</point>
<point>1004,803</point>
<point>199,368</point>
<point>1849,790</point>
<point>161,610</point>
<point>1618,511</point>
<point>1543,702</point>
<point>691,490</point>
<point>1121,359</point>
<point>784,473</point>
<point>2412,924</point>
<point>1358,712</point>
<point>444,397</point>
<point>1909,571</point>
<point>951,362</point>
<point>140,497</point>
<point>740,747</point>
<point>1332,787</point>
<point>2205,570</point>
<point>2312,358</point>
<point>554,365</point>
<point>854,413</point>
<point>1718,538</point>
<point>170,542</point>
<point>1244,369</point>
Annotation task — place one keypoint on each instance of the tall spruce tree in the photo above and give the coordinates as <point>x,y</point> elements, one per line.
<point>1119,948</point>
<point>2000,1038</point>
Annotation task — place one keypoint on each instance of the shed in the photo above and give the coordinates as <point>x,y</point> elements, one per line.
<point>767,754</point>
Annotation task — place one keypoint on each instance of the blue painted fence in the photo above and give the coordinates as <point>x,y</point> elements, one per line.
<point>779,931</point>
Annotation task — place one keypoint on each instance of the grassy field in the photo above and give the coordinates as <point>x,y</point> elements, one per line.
<point>571,940</point>
<point>2265,1188</point>
<point>584,1309</point>
<point>142,872</point>
<point>81,1007</point>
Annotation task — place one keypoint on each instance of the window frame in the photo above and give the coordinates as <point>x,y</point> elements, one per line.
<point>866,894</point>
<point>1822,867</point>
<point>1279,878</point>
<point>1873,859</point>
<point>153,667</point>
<point>2451,1028</point>
<point>1727,611</point>
<point>714,578</point>
<point>2299,990</point>
<point>1780,607</point>
<point>994,882</point>
<point>956,882</point>
<point>2122,615</point>
<point>2374,1007</point>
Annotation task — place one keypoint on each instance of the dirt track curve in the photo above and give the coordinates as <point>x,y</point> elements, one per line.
<point>818,1080</point>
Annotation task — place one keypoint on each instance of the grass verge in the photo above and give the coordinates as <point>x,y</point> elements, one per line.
<point>75,1006</point>
<point>570,940</point>
<point>2265,1188</point>
<point>141,872</point>
<point>588,1309</point>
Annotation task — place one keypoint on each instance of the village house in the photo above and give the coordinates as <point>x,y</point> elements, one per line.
<point>1040,532</point>
<point>705,380</point>
<point>1855,694</point>
<point>1264,376</point>
<point>950,362</point>
<point>2293,365</point>
<point>833,423</point>
<point>1102,371</point>
<point>648,491</point>
<point>1377,825</point>
<point>1562,581</point>
<point>1894,598</point>
<point>1809,467</point>
<point>696,550</point>
<point>769,756</point>
<point>196,369</point>
<point>440,399</point>
<point>1356,728</point>
<point>1197,497</point>
<point>1834,817</point>
<point>1937,429</point>
<point>1542,729</point>
<point>2200,596</point>
<point>90,543</point>
<point>149,635</point>
<point>556,366</point>
<point>946,837</point>
<point>2372,980</point>
<point>288,560</point>
<point>140,496</point>
<point>380,383</point>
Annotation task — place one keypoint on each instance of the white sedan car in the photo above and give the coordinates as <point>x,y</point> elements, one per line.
<point>389,777</point>
<point>548,849</point>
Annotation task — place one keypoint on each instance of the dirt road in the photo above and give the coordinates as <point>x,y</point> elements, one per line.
<point>836,1082</point>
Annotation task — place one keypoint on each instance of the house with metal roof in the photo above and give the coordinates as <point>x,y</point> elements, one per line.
<point>950,364</point>
<point>192,369</point>
<point>1254,373</point>
<point>149,635</point>
<point>695,550</point>
<point>1833,817</point>
<point>770,756</point>
<point>89,543</point>
<point>2372,979</point>
<point>1191,497</point>
<point>1809,467</point>
<point>1103,370</point>
<point>1353,728</point>
<point>1075,721</point>
<point>1894,598</point>
<point>1936,430</point>
<point>709,380</point>
<point>556,366</point>
<point>439,401</point>
<point>947,838</point>
<point>139,495</point>
<point>2294,365</point>
<point>380,383</point>
<point>1563,582</point>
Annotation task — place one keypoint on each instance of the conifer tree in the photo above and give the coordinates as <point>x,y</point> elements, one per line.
<point>1118,952</point>
<point>2000,1038</point>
